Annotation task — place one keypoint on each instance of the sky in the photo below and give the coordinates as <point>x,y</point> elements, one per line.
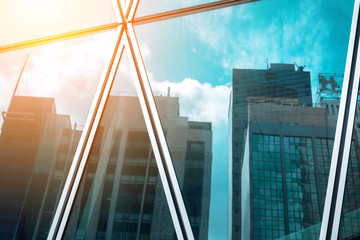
<point>192,55</point>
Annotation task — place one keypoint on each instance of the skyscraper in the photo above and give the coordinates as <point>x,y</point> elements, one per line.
<point>279,84</point>
<point>281,171</point>
<point>286,165</point>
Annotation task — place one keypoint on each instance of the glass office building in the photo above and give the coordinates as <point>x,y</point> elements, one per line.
<point>279,84</point>
<point>142,92</point>
<point>284,178</point>
<point>281,156</point>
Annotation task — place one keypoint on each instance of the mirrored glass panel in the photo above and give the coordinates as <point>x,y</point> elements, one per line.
<point>248,97</point>
<point>41,125</point>
<point>253,85</point>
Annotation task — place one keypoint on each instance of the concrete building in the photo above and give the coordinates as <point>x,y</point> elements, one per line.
<point>36,148</point>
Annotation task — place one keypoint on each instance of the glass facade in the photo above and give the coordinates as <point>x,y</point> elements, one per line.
<point>288,191</point>
<point>179,119</point>
<point>268,193</point>
<point>301,187</point>
<point>350,219</point>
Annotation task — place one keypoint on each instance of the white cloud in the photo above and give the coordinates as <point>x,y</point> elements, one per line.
<point>145,50</point>
<point>68,71</point>
<point>199,101</point>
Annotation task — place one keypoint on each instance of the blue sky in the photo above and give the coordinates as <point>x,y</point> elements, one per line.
<point>194,55</point>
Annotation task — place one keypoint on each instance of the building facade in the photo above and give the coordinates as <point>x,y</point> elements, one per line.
<point>36,149</point>
<point>280,157</point>
<point>279,84</point>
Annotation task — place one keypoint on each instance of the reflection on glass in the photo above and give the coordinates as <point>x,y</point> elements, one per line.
<point>282,72</point>
<point>283,131</point>
<point>41,127</point>
<point>286,77</point>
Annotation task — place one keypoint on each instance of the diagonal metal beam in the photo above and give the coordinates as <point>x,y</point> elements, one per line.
<point>81,155</point>
<point>343,135</point>
<point>189,11</point>
<point>157,138</point>
<point>59,37</point>
<point>112,26</point>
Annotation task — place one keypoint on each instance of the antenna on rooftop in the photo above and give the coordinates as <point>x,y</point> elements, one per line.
<point>16,86</point>
<point>17,83</point>
<point>300,68</point>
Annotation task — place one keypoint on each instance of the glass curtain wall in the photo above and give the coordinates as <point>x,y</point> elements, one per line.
<point>248,95</point>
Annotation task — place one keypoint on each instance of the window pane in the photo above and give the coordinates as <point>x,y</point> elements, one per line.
<point>41,128</point>
<point>254,72</point>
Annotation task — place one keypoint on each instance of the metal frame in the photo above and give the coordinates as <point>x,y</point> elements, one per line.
<point>342,141</point>
<point>126,39</point>
<point>112,26</point>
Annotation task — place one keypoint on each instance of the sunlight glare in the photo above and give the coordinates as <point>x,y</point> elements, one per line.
<point>41,8</point>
